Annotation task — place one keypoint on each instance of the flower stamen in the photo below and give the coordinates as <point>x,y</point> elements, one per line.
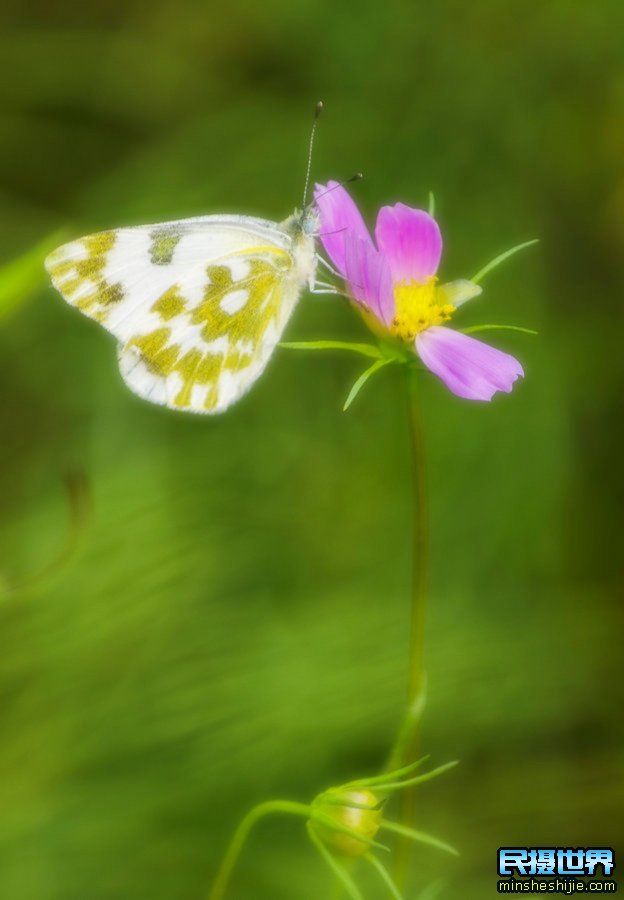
<point>419,305</point>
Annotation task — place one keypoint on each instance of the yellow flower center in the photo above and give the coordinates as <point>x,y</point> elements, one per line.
<point>419,305</point>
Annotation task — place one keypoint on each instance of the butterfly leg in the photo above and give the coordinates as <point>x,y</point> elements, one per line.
<point>329,267</point>
<point>321,287</point>
<point>327,286</point>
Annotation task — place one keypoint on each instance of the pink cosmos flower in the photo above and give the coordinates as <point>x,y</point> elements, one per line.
<point>394,283</point>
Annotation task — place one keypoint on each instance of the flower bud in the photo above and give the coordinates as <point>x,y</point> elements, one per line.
<point>357,809</point>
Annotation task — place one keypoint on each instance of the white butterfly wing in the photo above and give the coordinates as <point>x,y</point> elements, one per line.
<point>197,305</point>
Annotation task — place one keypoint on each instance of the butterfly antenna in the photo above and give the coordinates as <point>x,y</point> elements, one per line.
<point>357,177</point>
<point>317,112</point>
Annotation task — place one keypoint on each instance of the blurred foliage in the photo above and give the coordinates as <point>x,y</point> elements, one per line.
<point>21,277</point>
<point>233,624</point>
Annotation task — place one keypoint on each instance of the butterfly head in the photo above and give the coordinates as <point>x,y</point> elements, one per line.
<point>303,223</point>
<point>309,221</point>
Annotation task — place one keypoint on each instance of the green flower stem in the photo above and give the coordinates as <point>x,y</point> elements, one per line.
<point>242,833</point>
<point>279,807</point>
<point>405,747</point>
<point>416,673</point>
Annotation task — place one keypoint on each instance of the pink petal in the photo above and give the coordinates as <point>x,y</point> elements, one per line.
<point>339,214</point>
<point>369,278</point>
<point>469,368</point>
<point>411,240</point>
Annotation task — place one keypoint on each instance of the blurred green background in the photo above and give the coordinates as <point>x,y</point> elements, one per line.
<point>226,619</point>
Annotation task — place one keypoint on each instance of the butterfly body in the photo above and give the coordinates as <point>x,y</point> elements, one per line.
<point>197,305</point>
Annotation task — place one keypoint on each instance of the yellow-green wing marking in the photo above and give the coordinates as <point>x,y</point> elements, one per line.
<point>204,356</point>
<point>197,306</point>
<point>78,272</point>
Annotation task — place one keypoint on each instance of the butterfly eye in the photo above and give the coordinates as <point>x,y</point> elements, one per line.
<point>310,222</point>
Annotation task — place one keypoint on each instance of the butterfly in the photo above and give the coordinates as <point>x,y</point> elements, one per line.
<point>197,305</point>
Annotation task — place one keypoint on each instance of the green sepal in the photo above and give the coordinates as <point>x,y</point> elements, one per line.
<point>338,870</point>
<point>397,351</point>
<point>494,263</point>
<point>369,350</point>
<point>329,798</point>
<point>391,787</point>
<point>361,381</point>
<point>474,328</point>
<point>380,779</point>
<point>385,875</point>
<point>333,825</point>
<point>419,837</point>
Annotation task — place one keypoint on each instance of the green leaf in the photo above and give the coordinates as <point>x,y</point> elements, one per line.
<point>363,349</point>
<point>420,837</point>
<point>361,381</point>
<point>431,204</point>
<point>500,259</point>
<point>475,328</point>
